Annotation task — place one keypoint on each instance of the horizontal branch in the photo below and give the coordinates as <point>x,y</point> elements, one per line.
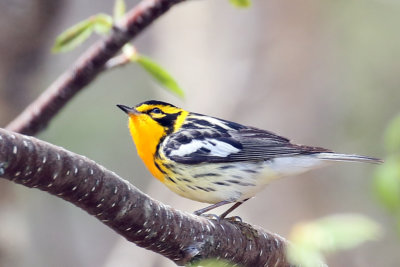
<point>39,113</point>
<point>179,236</point>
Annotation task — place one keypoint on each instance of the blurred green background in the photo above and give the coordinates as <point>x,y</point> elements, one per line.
<point>324,73</point>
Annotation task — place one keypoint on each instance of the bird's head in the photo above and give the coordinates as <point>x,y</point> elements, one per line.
<point>153,120</point>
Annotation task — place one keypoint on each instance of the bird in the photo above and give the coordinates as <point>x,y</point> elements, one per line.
<point>216,161</point>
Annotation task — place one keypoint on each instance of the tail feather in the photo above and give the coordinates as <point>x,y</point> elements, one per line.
<point>346,157</point>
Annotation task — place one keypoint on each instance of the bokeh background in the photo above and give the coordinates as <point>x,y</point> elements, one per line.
<point>321,72</point>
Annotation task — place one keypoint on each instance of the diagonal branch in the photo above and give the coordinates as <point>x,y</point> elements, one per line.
<point>39,113</point>
<point>179,236</point>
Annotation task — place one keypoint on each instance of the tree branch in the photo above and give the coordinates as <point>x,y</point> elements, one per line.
<point>38,114</point>
<point>179,236</point>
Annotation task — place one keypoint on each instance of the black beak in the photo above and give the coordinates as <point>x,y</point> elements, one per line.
<point>127,109</point>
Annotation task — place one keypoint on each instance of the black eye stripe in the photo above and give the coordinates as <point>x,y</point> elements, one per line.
<point>168,121</point>
<point>155,111</point>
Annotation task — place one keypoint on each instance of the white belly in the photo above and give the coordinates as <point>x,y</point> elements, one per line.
<point>215,182</point>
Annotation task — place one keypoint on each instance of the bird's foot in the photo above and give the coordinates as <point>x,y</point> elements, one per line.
<point>234,219</point>
<point>210,216</point>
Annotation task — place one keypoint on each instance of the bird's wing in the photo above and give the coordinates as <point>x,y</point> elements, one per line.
<point>193,146</point>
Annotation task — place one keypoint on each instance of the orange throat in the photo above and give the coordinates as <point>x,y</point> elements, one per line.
<point>146,136</point>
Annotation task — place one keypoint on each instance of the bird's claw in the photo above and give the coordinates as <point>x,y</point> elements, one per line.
<point>234,219</point>
<point>210,216</point>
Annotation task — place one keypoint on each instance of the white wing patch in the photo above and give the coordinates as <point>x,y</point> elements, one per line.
<point>217,148</point>
<point>213,121</point>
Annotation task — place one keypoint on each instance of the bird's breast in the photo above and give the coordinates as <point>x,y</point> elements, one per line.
<point>146,139</point>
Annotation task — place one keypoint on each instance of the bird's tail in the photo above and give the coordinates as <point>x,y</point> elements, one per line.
<point>346,157</point>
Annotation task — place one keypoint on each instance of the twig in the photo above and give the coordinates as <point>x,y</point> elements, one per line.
<point>179,236</point>
<point>38,114</point>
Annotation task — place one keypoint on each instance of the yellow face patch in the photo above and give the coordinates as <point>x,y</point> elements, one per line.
<point>147,132</point>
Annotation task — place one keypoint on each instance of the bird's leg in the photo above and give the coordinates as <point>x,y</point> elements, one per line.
<point>213,206</point>
<point>237,204</point>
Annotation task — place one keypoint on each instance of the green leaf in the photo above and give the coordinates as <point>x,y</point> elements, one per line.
<point>310,240</point>
<point>77,34</point>
<point>212,263</point>
<point>347,231</point>
<point>102,23</point>
<point>386,183</point>
<point>304,256</point>
<point>398,225</point>
<point>161,75</point>
<point>119,9</point>
<point>392,135</point>
<point>73,36</point>
<point>241,3</point>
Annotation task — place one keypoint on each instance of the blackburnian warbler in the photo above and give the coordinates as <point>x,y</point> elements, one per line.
<point>217,161</point>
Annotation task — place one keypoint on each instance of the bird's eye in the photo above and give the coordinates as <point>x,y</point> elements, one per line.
<point>156,111</point>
